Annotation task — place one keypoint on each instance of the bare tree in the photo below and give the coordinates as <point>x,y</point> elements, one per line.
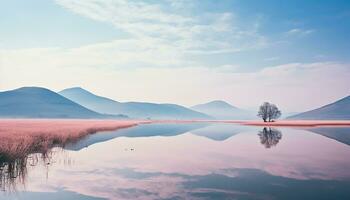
<point>268,111</point>
<point>273,113</point>
<point>263,111</point>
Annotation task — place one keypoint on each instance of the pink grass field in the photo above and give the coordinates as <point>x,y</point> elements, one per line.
<point>286,123</point>
<point>297,123</point>
<point>19,137</point>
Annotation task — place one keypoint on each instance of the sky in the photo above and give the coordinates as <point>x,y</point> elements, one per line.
<point>292,53</point>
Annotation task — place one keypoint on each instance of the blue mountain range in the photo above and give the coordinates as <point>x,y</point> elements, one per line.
<point>141,110</point>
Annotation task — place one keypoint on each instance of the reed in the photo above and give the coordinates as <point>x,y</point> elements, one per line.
<point>18,138</point>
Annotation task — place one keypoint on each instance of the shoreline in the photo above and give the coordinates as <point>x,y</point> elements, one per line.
<point>300,123</point>
<point>96,125</point>
<point>20,137</point>
<point>280,123</point>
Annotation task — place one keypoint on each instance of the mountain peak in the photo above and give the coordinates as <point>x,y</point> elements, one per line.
<point>133,109</point>
<point>75,89</point>
<point>79,93</point>
<point>31,88</point>
<point>216,104</point>
<point>219,103</point>
<point>222,110</point>
<point>38,102</point>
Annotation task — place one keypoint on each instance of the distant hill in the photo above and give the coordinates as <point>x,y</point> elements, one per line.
<point>36,102</point>
<point>132,109</point>
<point>339,110</point>
<point>222,110</point>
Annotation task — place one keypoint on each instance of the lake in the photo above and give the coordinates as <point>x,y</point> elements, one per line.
<point>189,161</point>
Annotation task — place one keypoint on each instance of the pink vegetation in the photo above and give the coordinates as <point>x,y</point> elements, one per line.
<point>296,123</point>
<point>290,123</point>
<point>20,137</point>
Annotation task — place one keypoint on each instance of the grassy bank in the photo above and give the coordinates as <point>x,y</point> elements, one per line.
<point>19,138</point>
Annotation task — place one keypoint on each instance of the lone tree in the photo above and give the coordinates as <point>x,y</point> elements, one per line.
<point>269,112</point>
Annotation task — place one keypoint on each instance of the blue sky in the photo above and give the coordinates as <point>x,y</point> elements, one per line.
<point>294,53</point>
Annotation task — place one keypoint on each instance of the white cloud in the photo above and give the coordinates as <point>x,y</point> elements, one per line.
<point>165,28</point>
<point>299,32</point>
<point>159,35</point>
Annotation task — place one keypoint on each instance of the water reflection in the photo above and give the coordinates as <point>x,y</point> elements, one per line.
<point>13,173</point>
<point>14,170</point>
<point>221,132</point>
<point>145,130</point>
<point>270,137</point>
<point>188,161</point>
<point>340,134</point>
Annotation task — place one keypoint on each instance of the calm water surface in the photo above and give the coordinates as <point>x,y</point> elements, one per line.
<point>192,161</point>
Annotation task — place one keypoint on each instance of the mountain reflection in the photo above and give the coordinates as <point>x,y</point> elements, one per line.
<point>270,137</point>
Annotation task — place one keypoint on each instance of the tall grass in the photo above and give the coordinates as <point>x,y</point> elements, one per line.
<point>19,138</point>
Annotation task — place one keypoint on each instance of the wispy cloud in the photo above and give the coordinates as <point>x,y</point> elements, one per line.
<point>165,32</point>
<point>299,32</point>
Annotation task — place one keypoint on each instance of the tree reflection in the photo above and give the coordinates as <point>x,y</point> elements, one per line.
<point>270,137</point>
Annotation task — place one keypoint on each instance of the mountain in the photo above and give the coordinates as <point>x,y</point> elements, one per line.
<point>222,110</point>
<point>36,102</point>
<point>339,110</point>
<point>132,109</point>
